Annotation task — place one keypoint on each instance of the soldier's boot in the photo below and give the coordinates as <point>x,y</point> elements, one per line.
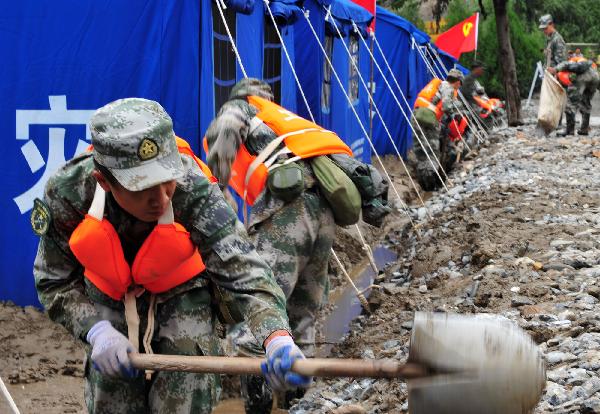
<point>585,125</point>
<point>570,130</point>
<point>257,395</point>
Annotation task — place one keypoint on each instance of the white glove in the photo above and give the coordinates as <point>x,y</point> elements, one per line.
<point>110,350</point>
<point>281,352</point>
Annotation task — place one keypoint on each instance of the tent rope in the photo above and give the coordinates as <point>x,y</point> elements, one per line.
<point>239,59</point>
<point>404,112</point>
<point>9,399</point>
<point>375,106</point>
<point>221,6</point>
<point>404,206</point>
<point>365,246</point>
<point>444,70</point>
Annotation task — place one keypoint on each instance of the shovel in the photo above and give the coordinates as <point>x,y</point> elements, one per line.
<point>456,364</point>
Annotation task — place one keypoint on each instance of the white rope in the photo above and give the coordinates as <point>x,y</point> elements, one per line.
<point>406,117</point>
<point>435,74</point>
<point>357,116</point>
<point>287,55</point>
<point>8,397</point>
<point>366,247</point>
<point>328,10</point>
<point>221,6</point>
<point>359,294</point>
<point>444,70</point>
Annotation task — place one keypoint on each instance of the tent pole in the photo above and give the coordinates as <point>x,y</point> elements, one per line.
<point>371,76</point>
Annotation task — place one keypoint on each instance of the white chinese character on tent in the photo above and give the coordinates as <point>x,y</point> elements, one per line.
<point>58,114</point>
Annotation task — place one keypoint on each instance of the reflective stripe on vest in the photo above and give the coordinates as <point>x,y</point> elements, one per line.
<point>304,139</point>
<point>425,98</point>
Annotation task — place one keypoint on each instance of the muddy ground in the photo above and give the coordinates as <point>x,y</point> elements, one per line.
<point>518,235</point>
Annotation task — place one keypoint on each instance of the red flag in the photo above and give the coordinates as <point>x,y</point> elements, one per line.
<point>460,38</point>
<point>369,5</point>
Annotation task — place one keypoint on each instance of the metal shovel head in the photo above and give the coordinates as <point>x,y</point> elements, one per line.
<point>489,365</point>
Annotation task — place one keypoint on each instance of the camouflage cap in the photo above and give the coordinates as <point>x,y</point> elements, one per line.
<point>251,86</point>
<point>134,139</point>
<point>545,20</point>
<point>457,74</point>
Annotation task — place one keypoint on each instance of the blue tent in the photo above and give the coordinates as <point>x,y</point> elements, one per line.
<point>327,99</point>
<point>66,59</point>
<point>394,36</point>
<point>62,60</point>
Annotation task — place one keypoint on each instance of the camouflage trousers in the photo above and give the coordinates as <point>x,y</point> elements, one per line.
<point>580,94</point>
<point>183,326</point>
<point>296,243</point>
<point>425,171</point>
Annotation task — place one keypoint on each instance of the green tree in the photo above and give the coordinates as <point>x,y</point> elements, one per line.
<point>409,9</point>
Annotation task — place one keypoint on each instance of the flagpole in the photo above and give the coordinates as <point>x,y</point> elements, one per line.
<point>476,36</point>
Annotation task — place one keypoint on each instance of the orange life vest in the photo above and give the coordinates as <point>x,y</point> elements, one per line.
<point>487,104</point>
<point>564,78</point>
<point>577,59</point>
<point>166,259</point>
<point>301,137</point>
<point>457,128</point>
<point>425,98</point>
<point>184,148</point>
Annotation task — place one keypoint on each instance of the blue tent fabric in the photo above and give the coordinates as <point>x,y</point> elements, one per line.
<point>343,13</point>
<point>394,35</point>
<point>241,6</point>
<point>65,64</point>
<point>340,116</point>
<point>285,11</point>
<point>400,41</point>
<point>66,60</point>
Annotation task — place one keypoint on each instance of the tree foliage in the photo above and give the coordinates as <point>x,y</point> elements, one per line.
<point>527,42</point>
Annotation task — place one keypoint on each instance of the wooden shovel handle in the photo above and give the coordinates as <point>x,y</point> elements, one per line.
<point>316,367</point>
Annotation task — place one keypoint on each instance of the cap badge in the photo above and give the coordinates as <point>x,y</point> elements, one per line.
<point>148,149</point>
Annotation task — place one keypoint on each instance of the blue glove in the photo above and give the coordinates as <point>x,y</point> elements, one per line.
<point>281,352</point>
<point>110,350</point>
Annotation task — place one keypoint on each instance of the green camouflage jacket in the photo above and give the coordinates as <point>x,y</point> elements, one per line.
<point>242,282</point>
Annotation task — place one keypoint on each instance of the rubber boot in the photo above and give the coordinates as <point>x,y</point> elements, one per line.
<point>570,126</point>
<point>257,395</point>
<point>585,125</point>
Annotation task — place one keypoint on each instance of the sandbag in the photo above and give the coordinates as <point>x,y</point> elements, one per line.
<point>552,103</point>
<point>338,189</point>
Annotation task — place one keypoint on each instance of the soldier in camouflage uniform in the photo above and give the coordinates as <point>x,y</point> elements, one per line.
<point>437,134</point>
<point>470,84</point>
<point>136,161</point>
<point>584,82</point>
<point>556,48</point>
<point>295,236</point>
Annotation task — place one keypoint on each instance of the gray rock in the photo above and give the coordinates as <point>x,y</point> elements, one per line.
<point>560,244</point>
<point>519,300</point>
<point>392,343</point>
<point>555,394</point>
<point>556,357</point>
<point>493,270</point>
<point>423,289</point>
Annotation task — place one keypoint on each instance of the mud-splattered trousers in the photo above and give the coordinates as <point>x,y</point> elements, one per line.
<point>236,278</point>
